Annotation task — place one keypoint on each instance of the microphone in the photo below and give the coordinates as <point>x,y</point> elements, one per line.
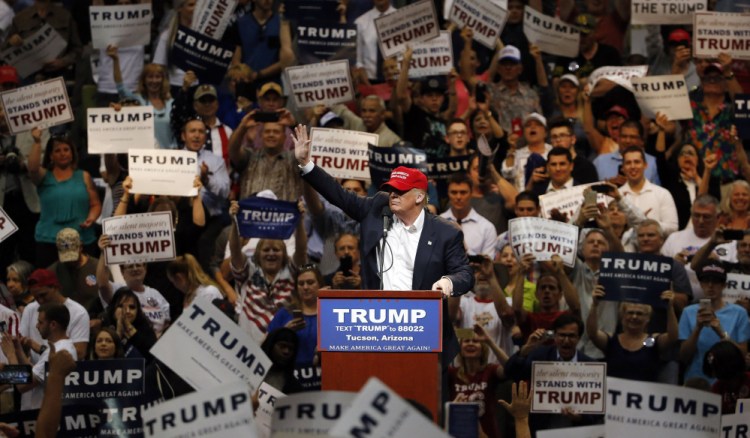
<point>387,218</point>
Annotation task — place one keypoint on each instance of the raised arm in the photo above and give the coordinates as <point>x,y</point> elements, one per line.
<point>95,206</point>
<point>557,268</point>
<point>665,340</point>
<point>102,272</point>
<point>34,160</point>
<point>237,154</point>
<point>116,71</point>
<point>403,94</point>
<point>236,255</point>
<point>518,276</point>
<point>300,239</point>
<point>596,139</point>
<point>598,337</point>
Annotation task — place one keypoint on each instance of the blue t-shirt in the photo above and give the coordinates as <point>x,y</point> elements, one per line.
<point>308,336</point>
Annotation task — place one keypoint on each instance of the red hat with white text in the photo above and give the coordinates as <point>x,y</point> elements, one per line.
<point>404,179</point>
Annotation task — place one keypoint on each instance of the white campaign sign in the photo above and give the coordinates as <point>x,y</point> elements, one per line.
<point>648,409</point>
<point>342,153</point>
<point>40,105</point>
<point>665,94</point>
<point>486,19</point>
<point>573,432</point>
<point>325,83</point>
<point>116,132</point>
<point>743,406</point>
<point>163,171</point>
<point>206,348</point>
<point>139,238</point>
<point>223,411</point>
<point>310,413</point>
<point>735,425</point>
<point>379,411</point>
<point>568,201</point>
<point>7,227</point>
<point>267,398</point>
<point>738,286</point>
<point>622,76</point>
<point>431,58</point>
<point>717,32</point>
<point>120,25</point>
<point>37,49</point>
<point>665,11</point>
<point>411,24</point>
<point>211,17</point>
<point>580,386</point>
<point>543,238</point>
<point>550,34</point>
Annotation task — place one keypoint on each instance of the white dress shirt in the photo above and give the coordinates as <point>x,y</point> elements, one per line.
<point>479,233</point>
<point>515,173</point>
<point>400,253</point>
<point>367,40</point>
<point>656,203</point>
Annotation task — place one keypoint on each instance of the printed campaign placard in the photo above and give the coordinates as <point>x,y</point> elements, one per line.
<point>743,405</point>
<point>742,115</point>
<point>163,171</point>
<point>309,377</point>
<point>120,25</point>
<point>206,348</point>
<point>717,32</point>
<point>394,325</point>
<point>317,42</point>
<point>211,17</point>
<point>341,152</point>
<point>666,94</point>
<point>207,57</point>
<point>665,11</point>
<point>568,201</point>
<point>648,409</point>
<point>382,160</point>
<point>267,398</point>
<point>325,83</point>
<point>431,58</point>
<point>635,277</point>
<point>40,105</point>
<point>580,386</point>
<point>413,23</point>
<point>621,76</point>
<point>224,411</point>
<point>543,238</point>
<point>735,425</point>
<point>115,132</point>
<point>551,34</point>
<point>37,49</point>
<point>486,19</point>
<point>382,413</point>
<point>311,414</point>
<point>139,238</point>
<point>267,218</point>
<point>573,432</point>
<point>76,421</point>
<point>7,226</point>
<point>738,286</point>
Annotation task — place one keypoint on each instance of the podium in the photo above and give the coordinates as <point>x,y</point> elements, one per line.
<point>396,336</point>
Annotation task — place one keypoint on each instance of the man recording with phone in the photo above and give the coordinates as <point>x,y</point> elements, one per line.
<point>347,275</point>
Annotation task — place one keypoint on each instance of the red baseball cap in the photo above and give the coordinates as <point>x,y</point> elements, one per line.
<point>404,179</point>
<point>43,277</point>
<point>617,109</point>
<point>8,75</point>
<point>679,35</point>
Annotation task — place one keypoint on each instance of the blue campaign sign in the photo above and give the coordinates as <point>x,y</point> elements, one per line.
<point>382,161</point>
<point>382,325</point>
<point>318,42</point>
<point>637,278</point>
<point>742,115</point>
<point>207,57</point>
<point>267,218</point>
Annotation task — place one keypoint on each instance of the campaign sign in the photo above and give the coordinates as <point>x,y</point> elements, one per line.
<point>738,287</point>
<point>413,23</point>
<point>75,421</point>
<point>382,161</point>
<point>267,397</point>
<point>163,171</point>
<point>621,76</point>
<point>211,17</point>
<point>635,277</point>
<point>543,238</point>
<point>486,19</point>
<point>311,414</point>
<point>120,25</point>
<point>568,201</point>
<point>742,115</point>
<point>379,412</point>
<point>735,425</point>
<point>319,10</point>
<point>206,349</point>
<point>550,34</point>
<point>267,218</point>
<point>40,105</point>
<point>222,411</point>
<point>115,132</point>
<point>717,32</point>
<point>341,152</point>
<point>431,58</point>
<point>383,325</point>
<point>743,405</point>
<point>139,238</point>
<point>7,226</point>
<point>573,432</point>
<point>648,409</point>
<point>207,57</point>
<point>325,83</point>
<point>665,11</point>
<point>580,386</point>
<point>664,94</point>
<point>42,46</point>
<point>308,377</point>
<point>317,42</point>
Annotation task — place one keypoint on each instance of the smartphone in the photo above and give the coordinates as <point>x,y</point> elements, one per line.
<point>345,265</point>
<point>733,234</point>
<point>589,197</point>
<point>705,303</point>
<point>266,116</point>
<point>462,419</point>
<point>476,259</point>
<point>601,188</point>
<point>480,92</point>
<point>517,126</point>
<point>16,374</point>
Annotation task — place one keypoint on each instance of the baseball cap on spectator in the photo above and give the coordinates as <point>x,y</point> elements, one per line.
<point>714,66</point>
<point>678,36</point>
<point>510,53</point>
<point>712,271</point>
<point>432,83</point>
<point>8,75</point>
<point>68,245</point>
<point>571,78</point>
<point>617,109</point>
<point>535,116</point>
<point>404,179</point>
<point>42,278</point>
<point>331,118</point>
<point>586,23</point>
<point>205,90</point>
<point>268,87</point>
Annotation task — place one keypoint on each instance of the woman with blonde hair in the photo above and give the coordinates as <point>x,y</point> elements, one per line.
<point>186,274</point>
<point>735,206</point>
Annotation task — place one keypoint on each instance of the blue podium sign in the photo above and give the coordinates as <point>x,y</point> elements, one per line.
<point>379,325</point>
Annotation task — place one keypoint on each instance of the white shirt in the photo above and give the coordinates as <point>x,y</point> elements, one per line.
<point>153,304</point>
<point>400,253</point>
<point>33,399</point>
<point>656,203</point>
<point>216,145</point>
<point>568,184</point>
<point>78,327</point>
<point>479,233</point>
<point>686,240</point>
<point>367,40</point>
<point>483,312</point>
<point>131,66</point>
<point>11,321</point>
<point>516,173</point>
<point>210,292</point>
<point>161,56</point>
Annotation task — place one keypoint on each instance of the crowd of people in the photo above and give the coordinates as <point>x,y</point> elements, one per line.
<point>528,123</point>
